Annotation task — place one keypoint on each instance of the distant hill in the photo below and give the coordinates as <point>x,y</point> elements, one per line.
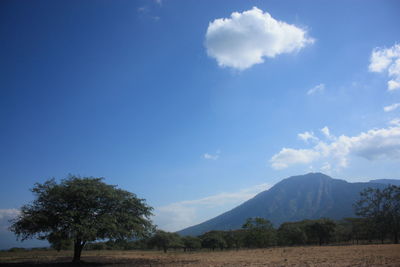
<point>309,196</point>
<point>386,181</point>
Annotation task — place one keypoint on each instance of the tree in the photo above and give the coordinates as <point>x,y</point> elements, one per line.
<point>291,233</point>
<point>382,209</point>
<point>213,240</point>
<point>191,243</point>
<point>165,240</point>
<point>259,232</point>
<point>82,210</point>
<point>321,229</point>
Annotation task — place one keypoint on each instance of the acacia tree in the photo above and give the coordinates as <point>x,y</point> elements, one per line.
<point>165,240</point>
<point>382,209</point>
<point>321,229</point>
<point>259,232</point>
<point>82,210</point>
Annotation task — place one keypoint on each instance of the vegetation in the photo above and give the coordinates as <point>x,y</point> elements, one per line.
<point>165,240</point>
<point>80,210</point>
<point>381,209</point>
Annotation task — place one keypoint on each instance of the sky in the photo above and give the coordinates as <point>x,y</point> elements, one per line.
<point>195,106</point>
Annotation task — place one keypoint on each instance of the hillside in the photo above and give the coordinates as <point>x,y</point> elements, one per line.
<point>309,196</point>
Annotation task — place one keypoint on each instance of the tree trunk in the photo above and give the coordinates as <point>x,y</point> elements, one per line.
<point>396,238</point>
<point>78,246</point>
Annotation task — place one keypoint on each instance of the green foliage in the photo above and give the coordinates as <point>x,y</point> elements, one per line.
<point>321,230</point>
<point>191,243</point>
<point>258,233</point>
<point>213,240</point>
<point>165,240</point>
<point>381,208</point>
<point>82,210</point>
<point>60,242</point>
<point>291,234</point>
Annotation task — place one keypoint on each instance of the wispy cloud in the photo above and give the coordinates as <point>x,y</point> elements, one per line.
<point>391,107</point>
<point>5,216</point>
<point>247,38</point>
<point>395,122</point>
<point>179,215</point>
<point>320,88</point>
<point>212,156</point>
<point>327,133</point>
<point>142,9</point>
<point>387,60</point>
<point>372,145</point>
<point>307,136</point>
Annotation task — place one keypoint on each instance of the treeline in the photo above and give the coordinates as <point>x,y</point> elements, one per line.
<point>260,233</point>
<point>255,233</point>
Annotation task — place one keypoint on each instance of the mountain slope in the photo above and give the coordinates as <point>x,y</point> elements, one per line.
<point>309,196</point>
<point>386,181</point>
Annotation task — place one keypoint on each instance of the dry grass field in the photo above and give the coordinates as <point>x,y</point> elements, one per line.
<point>362,255</point>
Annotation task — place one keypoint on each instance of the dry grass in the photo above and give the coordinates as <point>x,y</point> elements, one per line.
<point>363,255</point>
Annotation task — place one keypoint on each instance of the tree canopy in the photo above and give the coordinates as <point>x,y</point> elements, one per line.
<point>82,210</point>
<point>382,209</point>
<point>165,240</point>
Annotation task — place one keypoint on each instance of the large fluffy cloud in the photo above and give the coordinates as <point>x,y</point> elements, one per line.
<point>374,144</point>
<point>387,59</point>
<point>246,38</point>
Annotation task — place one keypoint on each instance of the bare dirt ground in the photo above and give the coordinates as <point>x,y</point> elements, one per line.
<point>362,255</point>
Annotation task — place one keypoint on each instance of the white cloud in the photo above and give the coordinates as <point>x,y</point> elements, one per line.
<point>387,59</point>
<point>212,156</point>
<point>316,89</point>
<point>289,156</point>
<point>391,107</point>
<point>306,136</point>
<point>326,168</point>
<point>5,216</point>
<point>179,215</point>
<point>395,122</point>
<point>142,9</point>
<point>393,85</point>
<point>247,38</point>
<point>372,145</point>
<point>158,2</point>
<point>327,132</point>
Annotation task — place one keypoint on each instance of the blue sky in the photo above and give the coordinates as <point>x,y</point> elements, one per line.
<point>192,107</point>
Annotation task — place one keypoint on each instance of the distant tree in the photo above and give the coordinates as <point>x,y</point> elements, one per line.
<point>361,229</point>
<point>213,240</point>
<point>382,209</point>
<point>321,229</point>
<point>191,243</point>
<point>165,240</point>
<point>343,231</point>
<point>291,233</point>
<point>259,232</point>
<point>82,210</point>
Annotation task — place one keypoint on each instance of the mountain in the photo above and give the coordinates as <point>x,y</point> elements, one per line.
<point>308,196</point>
<point>386,181</point>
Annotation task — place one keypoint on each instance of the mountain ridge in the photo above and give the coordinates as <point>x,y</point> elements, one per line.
<point>308,196</point>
